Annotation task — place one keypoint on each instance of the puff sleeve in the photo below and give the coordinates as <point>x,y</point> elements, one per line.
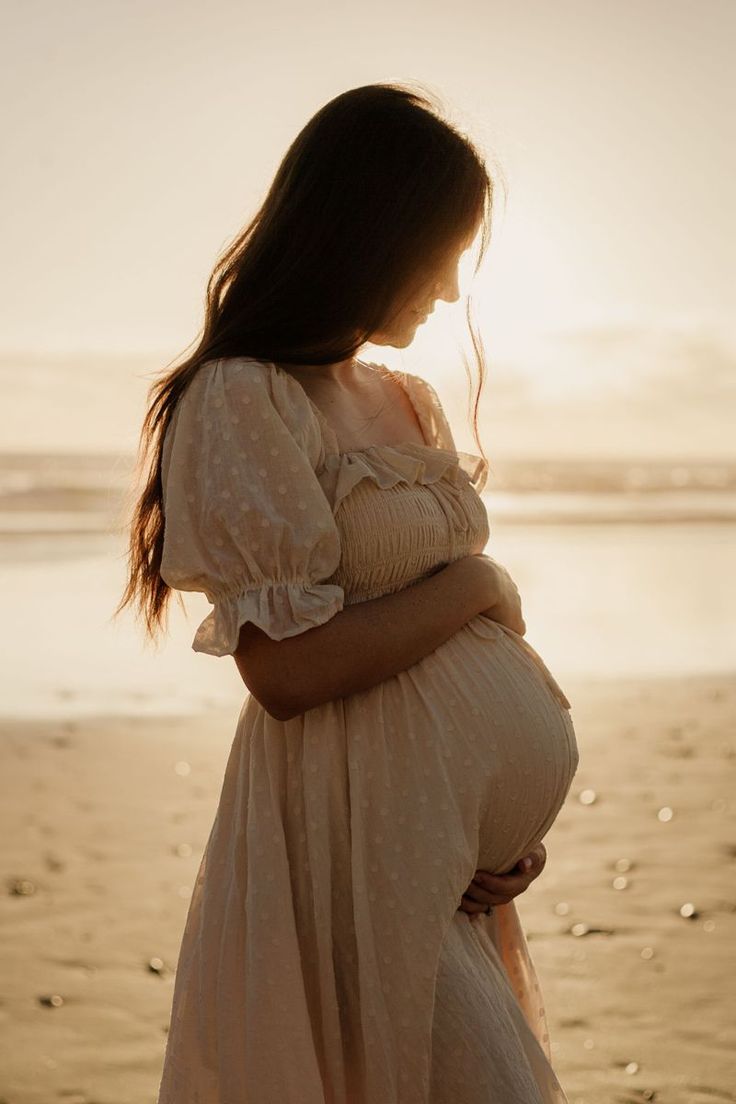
<point>245,519</point>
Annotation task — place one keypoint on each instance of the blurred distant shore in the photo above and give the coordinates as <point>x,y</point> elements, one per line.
<point>624,568</point>
<point>64,493</point>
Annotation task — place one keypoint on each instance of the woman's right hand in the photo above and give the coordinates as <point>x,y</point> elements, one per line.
<point>499,590</point>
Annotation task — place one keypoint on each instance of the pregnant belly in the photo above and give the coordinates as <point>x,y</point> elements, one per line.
<point>531,740</point>
<point>481,733</point>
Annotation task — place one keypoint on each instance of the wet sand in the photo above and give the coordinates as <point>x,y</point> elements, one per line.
<point>632,925</point>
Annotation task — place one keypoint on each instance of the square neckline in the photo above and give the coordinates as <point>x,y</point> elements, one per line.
<point>425,445</point>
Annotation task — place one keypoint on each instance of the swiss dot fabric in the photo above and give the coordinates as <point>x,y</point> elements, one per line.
<point>246,521</point>
<point>325,959</point>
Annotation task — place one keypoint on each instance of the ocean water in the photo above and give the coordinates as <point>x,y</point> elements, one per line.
<point>623,568</point>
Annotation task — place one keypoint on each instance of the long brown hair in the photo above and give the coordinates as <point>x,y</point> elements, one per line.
<point>375,190</point>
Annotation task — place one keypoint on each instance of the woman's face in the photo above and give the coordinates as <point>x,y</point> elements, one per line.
<point>443,284</point>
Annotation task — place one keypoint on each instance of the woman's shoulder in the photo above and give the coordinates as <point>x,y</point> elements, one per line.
<point>248,380</point>
<point>427,405</point>
<point>259,395</point>
<point>243,374</point>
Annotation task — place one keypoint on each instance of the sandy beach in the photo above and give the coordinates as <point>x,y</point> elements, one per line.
<point>632,924</point>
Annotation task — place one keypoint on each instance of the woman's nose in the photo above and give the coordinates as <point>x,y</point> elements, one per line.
<point>448,290</point>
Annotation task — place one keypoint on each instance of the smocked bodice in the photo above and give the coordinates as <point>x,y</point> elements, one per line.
<point>402,512</point>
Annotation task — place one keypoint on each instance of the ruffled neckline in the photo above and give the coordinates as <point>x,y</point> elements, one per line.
<point>405,462</point>
<point>387,465</point>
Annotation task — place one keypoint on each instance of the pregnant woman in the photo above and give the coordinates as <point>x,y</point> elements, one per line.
<point>399,735</point>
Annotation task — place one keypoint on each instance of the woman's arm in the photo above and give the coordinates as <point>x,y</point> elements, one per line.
<point>365,643</point>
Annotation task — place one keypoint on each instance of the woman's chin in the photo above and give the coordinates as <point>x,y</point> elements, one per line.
<point>396,341</point>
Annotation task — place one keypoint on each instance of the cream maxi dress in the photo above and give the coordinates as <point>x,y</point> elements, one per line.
<point>325,959</point>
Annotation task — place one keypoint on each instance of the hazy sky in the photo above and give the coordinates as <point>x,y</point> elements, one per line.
<point>139,137</point>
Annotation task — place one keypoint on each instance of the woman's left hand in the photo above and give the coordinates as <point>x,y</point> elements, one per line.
<point>498,889</point>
